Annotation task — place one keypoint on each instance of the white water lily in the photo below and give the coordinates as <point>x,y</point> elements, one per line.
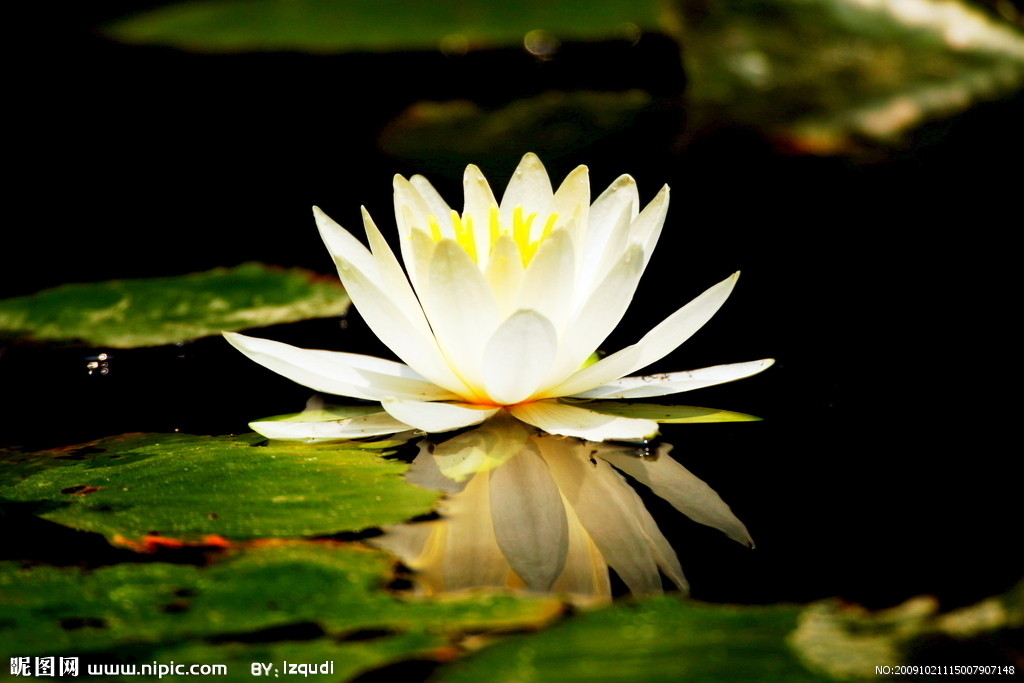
<point>548,514</point>
<point>499,308</point>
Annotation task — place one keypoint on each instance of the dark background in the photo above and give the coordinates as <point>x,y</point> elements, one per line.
<point>887,464</point>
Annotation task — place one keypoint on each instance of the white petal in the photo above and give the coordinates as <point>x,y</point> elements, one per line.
<point>504,273</point>
<point>352,428</point>
<point>343,374</point>
<point>529,188</point>
<point>518,357</point>
<point>572,200</point>
<point>548,285</point>
<point>684,491</point>
<point>421,253</point>
<point>586,572</point>
<point>425,470</point>
<point>610,512</point>
<point>478,203</point>
<point>620,199</point>
<point>676,382</point>
<point>654,346</point>
<point>400,326</point>
<point>410,213</point>
<point>392,277</point>
<point>438,417</point>
<point>606,241</point>
<point>664,555</point>
<point>462,310</point>
<point>342,244</point>
<point>529,519</point>
<point>566,420</point>
<point>646,229</point>
<point>437,205</point>
<point>472,558</point>
<point>597,316</point>
<point>481,449</point>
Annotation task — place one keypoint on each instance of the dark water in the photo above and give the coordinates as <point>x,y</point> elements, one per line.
<point>886,465</point>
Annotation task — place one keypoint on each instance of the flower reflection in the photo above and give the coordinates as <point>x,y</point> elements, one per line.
<point>544,513</point>
<point>499,310</point>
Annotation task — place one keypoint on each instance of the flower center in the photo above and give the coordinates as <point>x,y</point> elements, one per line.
<point>526,233</point>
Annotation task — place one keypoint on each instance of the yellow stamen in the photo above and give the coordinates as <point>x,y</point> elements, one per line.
<point>435,228</point>
<point>464,233</point>
<point>531,250</point>
<point>495,224</point>
<point>521,234</point>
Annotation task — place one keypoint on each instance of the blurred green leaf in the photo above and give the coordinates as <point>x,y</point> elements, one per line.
<point>847,641</point>
<point>662,639</point>
<point>153,610</point>
<point>378,25</point>
<point>187,487</point>
<point>823,74</point>
<point>165,310</point>
<point>443,137</point>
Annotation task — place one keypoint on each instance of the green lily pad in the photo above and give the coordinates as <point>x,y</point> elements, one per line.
<point>822,75</point>
<point>846,641</point>
<point>442,137</point>
<point>226,611</point>
<point>166,310</point>
<point>667,639</point>
<point>188,487</point>
<point>668,413</point>
<point>375,25</point>
<point>662,639</point>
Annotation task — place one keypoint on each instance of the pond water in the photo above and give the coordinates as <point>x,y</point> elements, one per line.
<point>885,465</point>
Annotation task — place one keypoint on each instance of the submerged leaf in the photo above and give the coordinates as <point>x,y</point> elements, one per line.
<point>166,310</point>
<point>190,487</point>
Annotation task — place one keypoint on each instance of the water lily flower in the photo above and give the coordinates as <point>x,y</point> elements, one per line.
<point>499,308</point>
<point>548,514</point>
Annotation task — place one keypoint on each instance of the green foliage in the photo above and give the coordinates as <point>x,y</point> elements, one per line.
<point>443,137</point>
<point>217,613</point>
<point>824,74</point>
<point>187,487</point>
<point>661,639</point>
<point>165,310</point>
<point>377,25</point>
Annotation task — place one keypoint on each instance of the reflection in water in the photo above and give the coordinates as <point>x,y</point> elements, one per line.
<point>530,510</point>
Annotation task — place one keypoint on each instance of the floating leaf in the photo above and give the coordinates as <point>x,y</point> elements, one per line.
<point>845,641</point>
<point>377,25</point>
<point>661,639</point>
<point>310,588</point>
<point>667,639</point>
<point>669,413</point>
<point>446,136</point>
<point>821,74</point>
<point>190,487</point>
<point>165,310</point>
